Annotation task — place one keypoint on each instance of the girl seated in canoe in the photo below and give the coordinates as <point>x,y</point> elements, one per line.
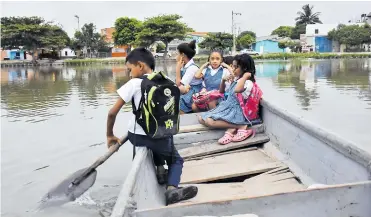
<point>185,75</point>
<point>229,114</point>
<point>212,73</point>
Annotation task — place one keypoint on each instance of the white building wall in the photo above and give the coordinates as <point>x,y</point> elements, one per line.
<point>322,29</point>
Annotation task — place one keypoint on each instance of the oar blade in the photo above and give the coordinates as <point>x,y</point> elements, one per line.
<point>65,192</point>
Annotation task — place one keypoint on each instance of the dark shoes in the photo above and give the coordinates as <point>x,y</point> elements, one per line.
<point>179,194</point>
<point>161,174</point>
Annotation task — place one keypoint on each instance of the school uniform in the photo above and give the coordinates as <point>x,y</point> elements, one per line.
<point>213,77</point>
<point>163,149</point>
<point>187,74</point>
<point>230,109</point>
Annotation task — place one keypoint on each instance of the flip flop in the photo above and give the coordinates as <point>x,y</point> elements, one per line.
<point>227,138</point>
<point>243,135</point>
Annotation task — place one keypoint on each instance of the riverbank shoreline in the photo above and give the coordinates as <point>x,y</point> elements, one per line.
<point>198,58</point>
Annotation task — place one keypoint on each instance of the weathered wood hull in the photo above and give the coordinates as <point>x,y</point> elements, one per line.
<point>312,154</point>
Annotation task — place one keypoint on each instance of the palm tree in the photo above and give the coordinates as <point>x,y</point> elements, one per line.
<point>307,16</point>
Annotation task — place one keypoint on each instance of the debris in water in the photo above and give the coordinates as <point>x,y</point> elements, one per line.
<point>27,183</point>
<point>96,144</point>
<point>42,167</point>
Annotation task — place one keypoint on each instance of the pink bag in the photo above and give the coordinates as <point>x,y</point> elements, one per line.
<point>250,106</point>
<point>202,99</point>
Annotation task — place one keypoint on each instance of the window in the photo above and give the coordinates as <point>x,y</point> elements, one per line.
<point>65,53</point>
<point>316,31</point>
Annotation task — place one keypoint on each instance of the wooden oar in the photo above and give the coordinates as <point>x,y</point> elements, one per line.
<point>79,182</point>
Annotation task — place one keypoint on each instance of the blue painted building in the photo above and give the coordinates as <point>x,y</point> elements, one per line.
<point>322,44</point>
<point>267,44</point>
<point>15,54</point>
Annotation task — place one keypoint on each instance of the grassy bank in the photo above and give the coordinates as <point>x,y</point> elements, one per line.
<point>286,56</point>
<point>104,60</point>
<point>200,58</point>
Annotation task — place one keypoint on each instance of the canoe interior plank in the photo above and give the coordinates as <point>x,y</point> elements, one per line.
<point>230,191</point>
<point>227,166</point>
<point>215,147</point>
<point>221,153</point>
<point>193,128</point>
<point>351,199</point>
<point>185,140</point>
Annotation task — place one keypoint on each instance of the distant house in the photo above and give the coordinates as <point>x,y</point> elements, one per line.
<point>117,50</point>
<point>67,53</point>
<point>198,36</point>
<point>268,44</point>
<point>315,38</point>
<point>13,54</point>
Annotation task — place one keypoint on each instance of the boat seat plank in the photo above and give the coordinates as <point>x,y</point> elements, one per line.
<point>227,166</point>
<point>221,153</point>
<point>230,191</point>
<point>215,147</point>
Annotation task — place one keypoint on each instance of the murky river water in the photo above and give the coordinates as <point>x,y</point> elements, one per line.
<point>53,122</point>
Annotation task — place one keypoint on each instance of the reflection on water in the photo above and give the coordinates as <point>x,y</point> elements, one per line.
<point>56,116</point>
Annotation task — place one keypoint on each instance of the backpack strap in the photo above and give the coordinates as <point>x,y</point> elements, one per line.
<point>136,111</point>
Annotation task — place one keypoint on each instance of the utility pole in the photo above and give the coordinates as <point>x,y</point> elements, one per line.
<point>78,22</point>
<point>234,37</point>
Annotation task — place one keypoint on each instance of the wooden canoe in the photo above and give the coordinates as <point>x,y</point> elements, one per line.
<point>290,168</point>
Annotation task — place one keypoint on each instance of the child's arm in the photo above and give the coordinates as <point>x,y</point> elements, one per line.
<point>199,74</point>
<point>222,83</point>
<point>230,69</point>
<point>184,88</point>
<point>178,77</point>
<point>112,139</point>
<point>240,86</point>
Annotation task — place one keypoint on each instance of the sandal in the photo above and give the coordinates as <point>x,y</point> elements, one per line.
<point>227,138</point>
<point>242,135</point>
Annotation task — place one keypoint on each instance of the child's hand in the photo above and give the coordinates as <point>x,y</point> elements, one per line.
<point>187,88</point>
<point>205,65</point>
<point>112,140</point>
<point>224,65</point>
<point>203,90</point>
<point>229,77</point>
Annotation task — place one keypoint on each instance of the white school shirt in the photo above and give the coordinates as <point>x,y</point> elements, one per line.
<point>247,88</point>
<point>214,71</point>
<point>129,90</point>
<point>189,75</point>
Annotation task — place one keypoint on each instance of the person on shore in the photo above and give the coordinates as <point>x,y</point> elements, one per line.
<point>229,114</point>
<point>212,73</point>
<point>185,75</point>
<point>141,63</point>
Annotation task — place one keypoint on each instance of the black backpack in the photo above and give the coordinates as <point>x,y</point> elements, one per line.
<point>158,111</point>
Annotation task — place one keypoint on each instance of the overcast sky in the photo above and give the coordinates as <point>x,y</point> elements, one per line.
<point>260,17</point>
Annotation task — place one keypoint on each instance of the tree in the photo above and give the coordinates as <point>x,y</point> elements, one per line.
<point>283,31</point>
<point>31,33</point>
<point>126,31</point>
<point>246,41</point>
<point>297,30</point>
<point>350,35</point>
<point>218,40</point>
<point>282,45</point>
<point>89,38</point>
<point>160,46</point>
<point>163,28</point>
<point>307,16</point>
<point>253,34</point>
